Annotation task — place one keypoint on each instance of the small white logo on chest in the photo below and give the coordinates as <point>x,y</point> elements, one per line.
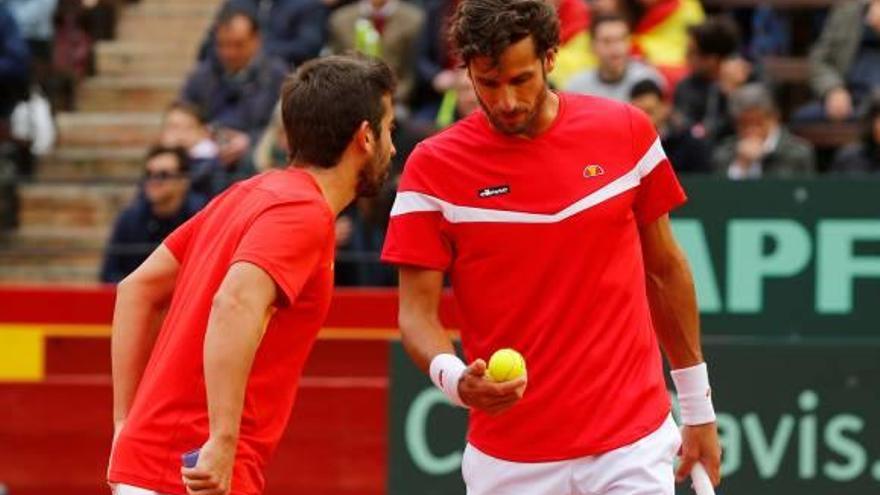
<point>591,171</point>
<point>493,191</point>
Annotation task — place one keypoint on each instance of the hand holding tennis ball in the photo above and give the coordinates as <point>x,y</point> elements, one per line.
<point>496,387</point>
<point>506,365</point>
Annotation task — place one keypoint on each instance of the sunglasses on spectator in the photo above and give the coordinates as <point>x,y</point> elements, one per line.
<point>162,175</point>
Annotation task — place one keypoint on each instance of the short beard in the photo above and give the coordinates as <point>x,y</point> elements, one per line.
<point>370,184</point>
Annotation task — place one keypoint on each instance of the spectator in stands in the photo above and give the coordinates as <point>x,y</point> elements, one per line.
<point>272,150</point>
<point>660,31</point>
<point>574,54</point>
<point>845,63</point>
<point>14,72</point>
<point>762,147</point>
<point>72,54</point>
<point>163,204</point>
<point>460,101</point>
<point>687,153</point>
<point>183,126</point>
<point>35,20</point>
<point>617,72</point>
<point>13,89</point>
<point>598,7</point>
<point>716,71</point>
<point>862,157</point>
<point>293,30</point>
<point>435,63</point>
<point>238,91</point>
<point>388,29</point>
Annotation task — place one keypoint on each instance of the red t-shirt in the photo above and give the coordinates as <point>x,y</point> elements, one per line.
<point>280,222</point>
<point>541,241</point>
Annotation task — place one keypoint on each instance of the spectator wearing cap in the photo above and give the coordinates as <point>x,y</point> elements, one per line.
<point>163,204</point>
<point>687,153</point>
<point>617,72</point>
<point>845,63</point>
<point>762,146</point>
<point>237,91</point>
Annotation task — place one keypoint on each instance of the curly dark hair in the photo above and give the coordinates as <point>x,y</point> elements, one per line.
<point>485,28</point>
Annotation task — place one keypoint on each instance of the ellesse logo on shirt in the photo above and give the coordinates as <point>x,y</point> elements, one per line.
<point>593,171</point>
<point>493,191</point>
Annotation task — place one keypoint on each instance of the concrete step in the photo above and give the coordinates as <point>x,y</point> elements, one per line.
<point>93,162</point>
<point>64,269</point>
<point>121,58</point>
<point>53,238</point>
<point>186,33</point>
<point>52,254</point>
<point>128,93</point>
<point>174,20</point>
<point>70,204</point>
<point>108,129</point>
<point>171,10</point>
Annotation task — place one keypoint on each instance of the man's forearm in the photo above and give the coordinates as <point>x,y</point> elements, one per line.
<point>675,314</point>
<point>136,321</point>
<point>423,338</point>
<point>233,335</point>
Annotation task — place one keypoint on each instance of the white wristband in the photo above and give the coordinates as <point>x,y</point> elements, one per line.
<point>446,371</point>
<point>694,395</point>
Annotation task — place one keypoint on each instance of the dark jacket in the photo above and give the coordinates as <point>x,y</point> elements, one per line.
<point>432,50</point>
<point>138,232</point>
<point>857,159</point>
<point>792,158</point>
<point>14,63</point>
<point>704,108</point>
<point>686,153</point>
<point>244,102</point>
<point>835,51</point>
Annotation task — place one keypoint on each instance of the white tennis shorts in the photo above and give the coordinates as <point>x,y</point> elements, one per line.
<point>642,468</point>
<point>132,490</point>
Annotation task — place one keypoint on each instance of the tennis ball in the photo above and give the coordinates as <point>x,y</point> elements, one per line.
<point>506,365</point>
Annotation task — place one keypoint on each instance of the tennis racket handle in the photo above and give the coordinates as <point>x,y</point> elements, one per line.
<point>190,459</point>
<point>701,482</point>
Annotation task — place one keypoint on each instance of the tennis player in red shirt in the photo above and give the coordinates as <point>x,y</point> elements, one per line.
<point>244,287</point>
<point>548,211</point>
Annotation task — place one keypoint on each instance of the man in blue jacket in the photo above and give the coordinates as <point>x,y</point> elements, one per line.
<point>164,203</point>
<point>293,30</point>
<point>236,91</point>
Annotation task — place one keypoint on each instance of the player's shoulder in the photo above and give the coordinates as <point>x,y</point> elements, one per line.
<point>462,134</point>
<point>607,115</point>
<point>289,189</point>
<point>590,106</point>
<point>442,152</point>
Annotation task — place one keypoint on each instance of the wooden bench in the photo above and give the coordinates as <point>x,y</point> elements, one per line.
<point>787,70</point>
<point>828,135</point>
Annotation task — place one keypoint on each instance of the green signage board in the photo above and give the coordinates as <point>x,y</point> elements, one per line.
<point>794,419</point>
<point>782,258</point>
